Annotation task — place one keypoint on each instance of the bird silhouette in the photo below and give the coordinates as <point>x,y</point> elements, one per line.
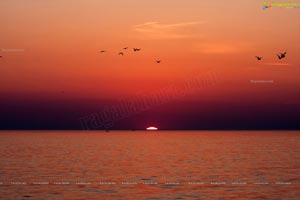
<point>102,51</point>
<point>136,49</point>
<point>281,56</point>
<point>158,61</point>
<point>125,48</point>
<point>121,54</point>
<point>258,57</point>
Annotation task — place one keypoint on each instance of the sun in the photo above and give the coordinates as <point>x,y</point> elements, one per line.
<point>152,128</point>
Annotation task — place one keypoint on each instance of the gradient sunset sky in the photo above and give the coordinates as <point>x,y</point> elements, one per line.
<point>52,72</point>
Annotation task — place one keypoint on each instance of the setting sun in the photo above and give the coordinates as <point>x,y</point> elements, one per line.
<point>152,128</point>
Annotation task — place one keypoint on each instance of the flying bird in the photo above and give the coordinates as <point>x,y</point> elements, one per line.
<point>158,61</point>
<point>282,55</point>
<point>136,49</point>
<point>258,57</point>
<point>121,54</point>
<point>125,48</point>
<point>102,51</point>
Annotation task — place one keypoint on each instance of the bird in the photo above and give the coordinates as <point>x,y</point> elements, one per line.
<point>125,48</point>
<point>102,51</point>
<point>258,57</point>
<point>136,49</point>
<point>282,55</point>
<point>121,54</point>
<point>158,61</point>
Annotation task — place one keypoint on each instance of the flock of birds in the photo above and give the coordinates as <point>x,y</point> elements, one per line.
<point>121,53</point>
<point>280,56</point>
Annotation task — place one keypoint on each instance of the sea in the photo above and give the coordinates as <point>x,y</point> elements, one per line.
<point>150,165</point>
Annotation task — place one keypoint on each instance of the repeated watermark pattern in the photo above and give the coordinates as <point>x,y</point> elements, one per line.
<point>152,182</point>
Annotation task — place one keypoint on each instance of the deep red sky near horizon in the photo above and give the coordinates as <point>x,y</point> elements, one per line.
<point>53,46</point>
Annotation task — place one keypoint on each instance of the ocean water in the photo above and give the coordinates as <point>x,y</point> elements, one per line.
<point>150,165</point>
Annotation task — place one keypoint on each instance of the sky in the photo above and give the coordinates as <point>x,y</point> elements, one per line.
<point>52,74</point>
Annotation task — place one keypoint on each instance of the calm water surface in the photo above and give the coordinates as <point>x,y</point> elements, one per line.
<point>150,165</point>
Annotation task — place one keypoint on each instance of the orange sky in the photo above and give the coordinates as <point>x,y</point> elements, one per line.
<point>61,41</point>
